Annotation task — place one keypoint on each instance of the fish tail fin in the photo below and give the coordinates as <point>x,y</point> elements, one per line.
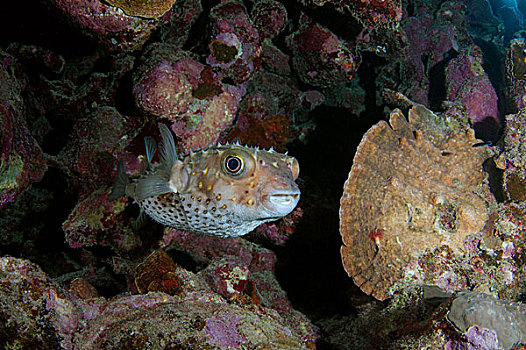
<point>121,180</point>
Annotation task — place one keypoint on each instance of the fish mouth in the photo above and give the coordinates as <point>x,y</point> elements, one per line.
<point>284,201</point>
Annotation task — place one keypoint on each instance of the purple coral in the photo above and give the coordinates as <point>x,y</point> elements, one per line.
<point>224,333</point>
<point>477,339</point>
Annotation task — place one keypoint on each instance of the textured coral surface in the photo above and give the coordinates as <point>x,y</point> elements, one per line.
<point>415,185</point>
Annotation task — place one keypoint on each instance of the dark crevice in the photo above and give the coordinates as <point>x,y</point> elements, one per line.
<point>36,22</point>
<point>496,179</point>
<point>437,81</point>
<point>54,140</point>
<point>201,32</point>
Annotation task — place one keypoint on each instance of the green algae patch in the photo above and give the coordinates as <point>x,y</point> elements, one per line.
<point>10,169</point>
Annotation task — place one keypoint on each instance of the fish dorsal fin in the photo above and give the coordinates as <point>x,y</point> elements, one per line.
<point>151,147</point>
<point>168,153</point>
<point>151,186</point>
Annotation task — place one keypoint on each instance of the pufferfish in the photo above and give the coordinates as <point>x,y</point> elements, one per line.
<point>226,190</point>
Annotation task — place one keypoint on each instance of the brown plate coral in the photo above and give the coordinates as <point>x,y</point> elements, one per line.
<point>415,185</point>
<point>143,8</point>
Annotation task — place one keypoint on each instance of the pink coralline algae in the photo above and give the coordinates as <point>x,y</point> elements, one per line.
<point>176,28</point>
<point>477,339</point>
<point>80,88</point>
<point>269,17</point>
<point>21,159</point>
<point>26,293</point>
<point>227,276</point>
<point>470,87</point>
<point>320,57</point>
<point>280,232</point>
<point>97,221</point>
<point>425,39</point>
<point>172,85</point>
<point>163,91</point>
<point>224,333</point>
<point>372,13</point>
<point>257,126</point>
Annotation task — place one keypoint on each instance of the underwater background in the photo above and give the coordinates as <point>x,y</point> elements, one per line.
<point>407,118</point>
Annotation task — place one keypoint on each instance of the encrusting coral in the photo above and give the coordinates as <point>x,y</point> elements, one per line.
<point>506,318</point>
<point>415,185</point>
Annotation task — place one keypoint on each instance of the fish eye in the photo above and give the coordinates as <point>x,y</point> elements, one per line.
<point>294,167</point>
<point>234,165</point>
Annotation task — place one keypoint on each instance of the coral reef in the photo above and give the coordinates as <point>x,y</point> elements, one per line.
<point>235,48</point>
<point>433,216</point>
<point>394,208</point>
<point>47,316</point>
<point>93,144</point>
<point>97,221</point>
<point>235,267</point>
<point>514,157</point>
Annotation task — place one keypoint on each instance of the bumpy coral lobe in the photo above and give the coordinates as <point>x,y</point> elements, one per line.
<point>157,273</point>
<point>437,203</point>
<point>273,131</point>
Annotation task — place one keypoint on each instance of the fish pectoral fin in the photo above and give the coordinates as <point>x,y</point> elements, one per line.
<point>141,221</point>
<point>150,187</point>
<point>151,147</point>
<point>121,180</point>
